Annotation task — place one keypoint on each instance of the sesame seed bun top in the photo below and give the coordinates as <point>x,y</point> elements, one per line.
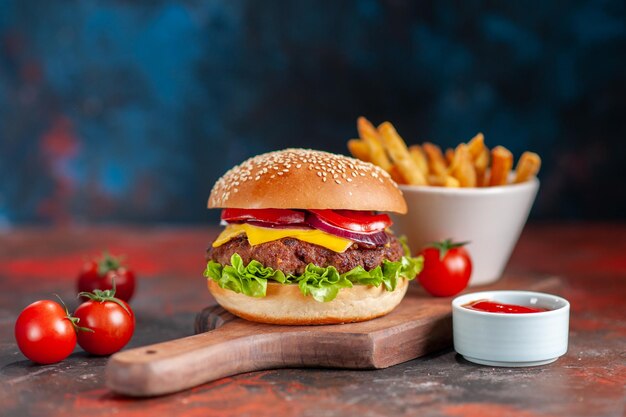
<point>307,179</point>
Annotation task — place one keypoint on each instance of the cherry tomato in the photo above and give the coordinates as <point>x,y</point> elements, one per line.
<point>447,268</point>
<point>357,221</point>
<point>276,216</point>
<point>109,321</point>
<point>100,274</point>
<point>45,332</point>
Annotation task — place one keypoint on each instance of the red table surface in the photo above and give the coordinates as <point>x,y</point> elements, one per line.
<point>588,381</point>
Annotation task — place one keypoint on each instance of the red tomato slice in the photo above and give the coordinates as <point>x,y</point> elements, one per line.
<point>358,221</point>
<point>277,216</point>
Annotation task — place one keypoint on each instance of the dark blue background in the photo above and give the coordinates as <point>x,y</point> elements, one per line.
<point>129,111</point>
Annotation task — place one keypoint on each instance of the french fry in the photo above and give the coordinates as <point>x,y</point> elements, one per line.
<point>436,180</point>
<point>480,163</point>
<point>420,158</point>
<point>455,159</point>
<point>476,145</point>
<point>449,156</point>
<point>527,167</point>
<point>370,136</point>
<point>467,165</point>
<point>452,182</point>
<point>396,175</point>
<point>399,153</point>
<point>436,161</point>
<point>359,150</point>
<point>501,164</point>
<point>443,181</point>
<point>462,168</point>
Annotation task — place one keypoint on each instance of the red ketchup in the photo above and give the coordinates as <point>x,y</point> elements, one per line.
<point>496,307</point>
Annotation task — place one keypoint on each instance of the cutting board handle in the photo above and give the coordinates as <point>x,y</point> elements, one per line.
<point>184,363</point>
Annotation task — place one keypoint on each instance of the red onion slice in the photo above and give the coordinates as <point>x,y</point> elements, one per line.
<point>275,216</point>
<point>367,239</point>
<point>300,226</point>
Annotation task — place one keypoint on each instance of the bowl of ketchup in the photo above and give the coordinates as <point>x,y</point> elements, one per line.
<point>510,328</point>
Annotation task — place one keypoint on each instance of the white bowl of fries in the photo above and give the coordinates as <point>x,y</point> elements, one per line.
<point>490,218</point>
<point>469,193</point>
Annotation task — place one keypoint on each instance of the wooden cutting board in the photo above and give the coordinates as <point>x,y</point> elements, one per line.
<point>226,345</point>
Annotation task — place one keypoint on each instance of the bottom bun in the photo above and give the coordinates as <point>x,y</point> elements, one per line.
<point>285,304</point>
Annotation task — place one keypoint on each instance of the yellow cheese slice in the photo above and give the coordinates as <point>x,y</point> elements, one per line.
<point>257,235</point>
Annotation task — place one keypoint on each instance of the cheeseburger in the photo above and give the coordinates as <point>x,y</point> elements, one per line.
<point>307,240</point>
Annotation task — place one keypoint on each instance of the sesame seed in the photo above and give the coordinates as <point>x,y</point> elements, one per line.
<point>319,174</point>
<point>338,182</point>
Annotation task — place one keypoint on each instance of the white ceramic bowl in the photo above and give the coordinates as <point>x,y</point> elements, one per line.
<point>490,218</point>
<point>513,340</point>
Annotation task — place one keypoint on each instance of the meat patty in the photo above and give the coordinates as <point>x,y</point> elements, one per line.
<point>292,255</point>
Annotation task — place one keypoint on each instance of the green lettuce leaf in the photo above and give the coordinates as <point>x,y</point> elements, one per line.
<point>323,284</point>
<point>248,279</point>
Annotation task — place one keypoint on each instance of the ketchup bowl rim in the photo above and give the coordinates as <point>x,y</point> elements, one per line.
<point>461,301</point>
